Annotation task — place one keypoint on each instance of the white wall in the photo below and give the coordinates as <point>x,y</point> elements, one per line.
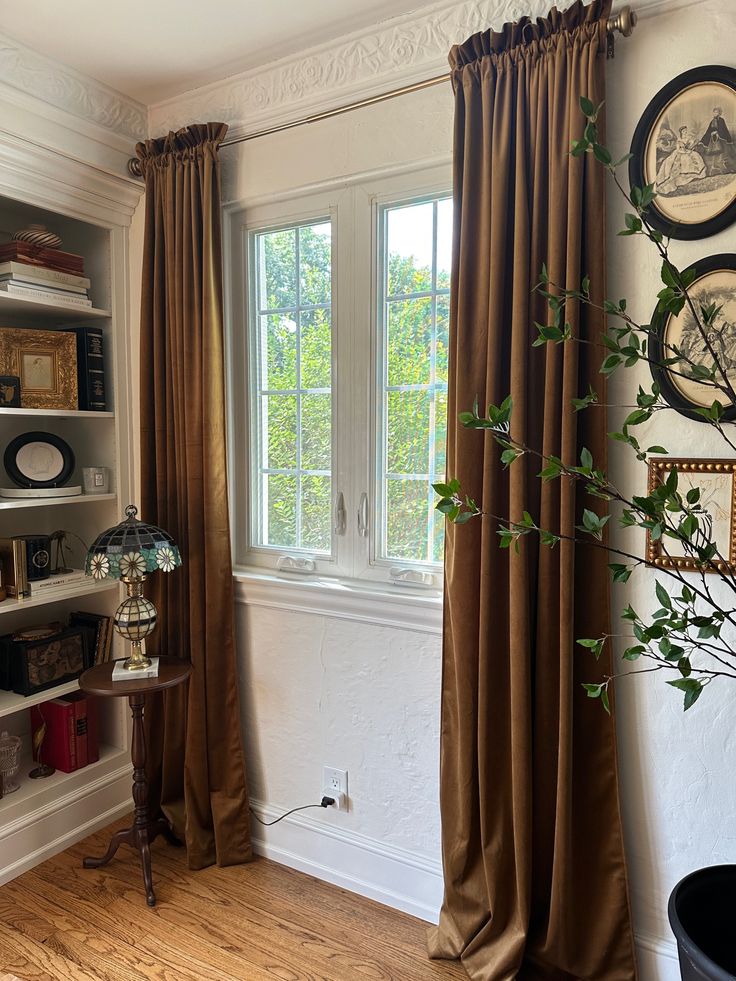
<point>320,688</point>
<point>678,791</point>
<point>343,692</point>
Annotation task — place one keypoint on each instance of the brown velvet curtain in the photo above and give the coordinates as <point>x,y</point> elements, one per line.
<point>535,880</point>
<point>196,765</point>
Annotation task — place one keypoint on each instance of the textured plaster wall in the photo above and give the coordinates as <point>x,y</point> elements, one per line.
<point>321,690</point>
<point>678,790</point>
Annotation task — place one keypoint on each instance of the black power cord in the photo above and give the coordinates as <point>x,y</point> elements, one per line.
<point>325,802</point>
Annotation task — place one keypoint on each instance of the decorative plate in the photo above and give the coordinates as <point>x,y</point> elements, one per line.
<point>685,145</point>
<point>715,282</point>
<point>39,460</point>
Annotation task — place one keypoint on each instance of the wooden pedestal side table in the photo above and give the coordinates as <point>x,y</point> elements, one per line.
<point>98,681</point>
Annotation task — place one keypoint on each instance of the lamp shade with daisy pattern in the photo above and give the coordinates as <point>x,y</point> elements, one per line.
<point>129,552</point>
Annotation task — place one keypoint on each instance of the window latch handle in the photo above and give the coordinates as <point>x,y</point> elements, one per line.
<point>363,516</point>
<point>340,514</point>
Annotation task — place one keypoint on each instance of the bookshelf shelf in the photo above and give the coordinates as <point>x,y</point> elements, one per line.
<point>59,595</point>
<point>35,793</point>
<point>57,413</point>
<point>47,311</point>
<point>10,703</point>
<point>8,504</point>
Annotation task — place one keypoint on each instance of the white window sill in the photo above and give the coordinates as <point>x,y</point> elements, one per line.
<point>404,607</point>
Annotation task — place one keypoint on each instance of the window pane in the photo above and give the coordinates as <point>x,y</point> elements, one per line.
<point>316,432</point>
<point>278,269</point>
<point>407,513</point>
<point>408,432</point>
<point>315,246</point>
<point>409,258</point>
<point>443,338</point>
<point>279,413</point>
<point>292,421</point>
<point>316,347</point>
<point>417,243</point>
<point>316,513</point>
<point>409,341</point>
<point>279,494</point>
<point>444,243</point>
<point>279,339</point>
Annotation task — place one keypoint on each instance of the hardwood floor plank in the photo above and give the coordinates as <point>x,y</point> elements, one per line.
<point>257,922</point>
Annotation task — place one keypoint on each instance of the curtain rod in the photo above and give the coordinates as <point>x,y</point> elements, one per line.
<point>623,22</point>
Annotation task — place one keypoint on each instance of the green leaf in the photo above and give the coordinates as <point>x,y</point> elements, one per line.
<point>663,596</point>
<point>587,107</point>
<point>692,688</point>
<point>586,459</point>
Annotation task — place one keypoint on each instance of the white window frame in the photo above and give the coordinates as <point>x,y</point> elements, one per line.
<point>353,208</point>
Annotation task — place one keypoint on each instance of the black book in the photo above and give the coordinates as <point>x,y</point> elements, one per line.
<point>90,368</point>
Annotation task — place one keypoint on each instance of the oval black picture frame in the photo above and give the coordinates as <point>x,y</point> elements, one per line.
<point>720,74</point>
<point>17,444</point>
<point>670,392</point>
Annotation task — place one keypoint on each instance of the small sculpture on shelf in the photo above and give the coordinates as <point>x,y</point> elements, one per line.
<point>39,734</point>
<point>61,546</point>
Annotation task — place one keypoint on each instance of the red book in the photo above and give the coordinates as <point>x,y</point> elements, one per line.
<point>59,748</point>
<point>72,731</point>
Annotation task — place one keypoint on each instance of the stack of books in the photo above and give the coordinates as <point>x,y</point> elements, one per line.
<point>99,631</point>
<point>43,274</point>
<point>71,738</point>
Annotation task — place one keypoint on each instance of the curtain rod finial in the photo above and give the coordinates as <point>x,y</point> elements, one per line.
<point>134,167</point>
<point>624,21</point>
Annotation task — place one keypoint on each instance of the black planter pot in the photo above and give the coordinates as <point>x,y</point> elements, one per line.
<point>702,912</point>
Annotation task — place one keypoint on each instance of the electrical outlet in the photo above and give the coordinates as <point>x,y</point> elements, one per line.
<point>335,784</point>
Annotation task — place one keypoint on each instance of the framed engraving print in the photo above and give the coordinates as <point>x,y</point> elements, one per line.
<point>717,482</point>
<point>46,363</point>
<point>685,146</point>
<point>715,282</point>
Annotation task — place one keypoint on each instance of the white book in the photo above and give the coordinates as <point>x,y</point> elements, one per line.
<point>43,284</point>
<point>40,274</point>
<point>41,294</point>
<point>54,582</point>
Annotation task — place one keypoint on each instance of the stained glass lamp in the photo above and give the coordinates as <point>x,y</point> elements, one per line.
<point>129,552</point>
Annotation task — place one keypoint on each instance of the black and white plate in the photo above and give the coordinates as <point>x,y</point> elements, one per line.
<point>39,460</point>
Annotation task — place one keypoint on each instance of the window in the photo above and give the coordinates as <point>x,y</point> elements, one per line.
<point>414,264</point>
<point>293,387</point>
<point>340,338</point>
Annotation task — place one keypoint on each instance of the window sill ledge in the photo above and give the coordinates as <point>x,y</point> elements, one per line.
<point>384,605</point>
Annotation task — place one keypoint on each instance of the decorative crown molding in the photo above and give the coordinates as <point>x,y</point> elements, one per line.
<point>399,51</point>
<point>64,88</point>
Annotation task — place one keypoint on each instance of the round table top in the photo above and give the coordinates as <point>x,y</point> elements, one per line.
<point>98,680</point>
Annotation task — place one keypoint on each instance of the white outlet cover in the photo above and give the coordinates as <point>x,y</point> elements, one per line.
<point>334,779</point>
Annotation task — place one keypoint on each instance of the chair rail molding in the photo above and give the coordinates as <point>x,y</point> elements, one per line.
<point>80,103</point>
<point>399,51</point>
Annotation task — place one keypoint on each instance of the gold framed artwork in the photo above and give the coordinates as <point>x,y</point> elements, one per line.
<point>717,482</point>
<point>46,363</point>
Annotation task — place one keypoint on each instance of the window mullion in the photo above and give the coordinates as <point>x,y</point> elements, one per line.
<point>297,282</point>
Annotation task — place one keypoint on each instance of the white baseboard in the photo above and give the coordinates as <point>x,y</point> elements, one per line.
<point>393,876</point>
<point>33,841</point>
<point>656,958</point>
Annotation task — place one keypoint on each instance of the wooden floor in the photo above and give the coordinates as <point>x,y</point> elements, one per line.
<point>260,921</point>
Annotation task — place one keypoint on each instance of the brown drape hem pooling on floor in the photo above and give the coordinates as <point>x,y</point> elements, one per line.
<point>535,878</point>
<point>195,755</point>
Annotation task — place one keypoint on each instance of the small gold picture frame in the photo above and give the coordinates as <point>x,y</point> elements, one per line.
<point>717,482</point>
<point>46,363</point>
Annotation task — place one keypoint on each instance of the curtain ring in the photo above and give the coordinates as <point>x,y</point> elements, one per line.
<point>523,31</point>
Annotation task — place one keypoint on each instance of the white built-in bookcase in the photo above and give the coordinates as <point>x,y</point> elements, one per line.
<point>91,212</point>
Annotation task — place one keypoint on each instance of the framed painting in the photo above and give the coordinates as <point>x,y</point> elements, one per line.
<point>717,482</point>
<point>685,145</point>
<point>46,363</point>
<point>714,283</point>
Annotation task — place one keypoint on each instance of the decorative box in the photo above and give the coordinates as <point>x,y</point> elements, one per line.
<point>28,666</point>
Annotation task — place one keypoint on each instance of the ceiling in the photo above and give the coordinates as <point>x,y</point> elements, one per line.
<point>153,49</point>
